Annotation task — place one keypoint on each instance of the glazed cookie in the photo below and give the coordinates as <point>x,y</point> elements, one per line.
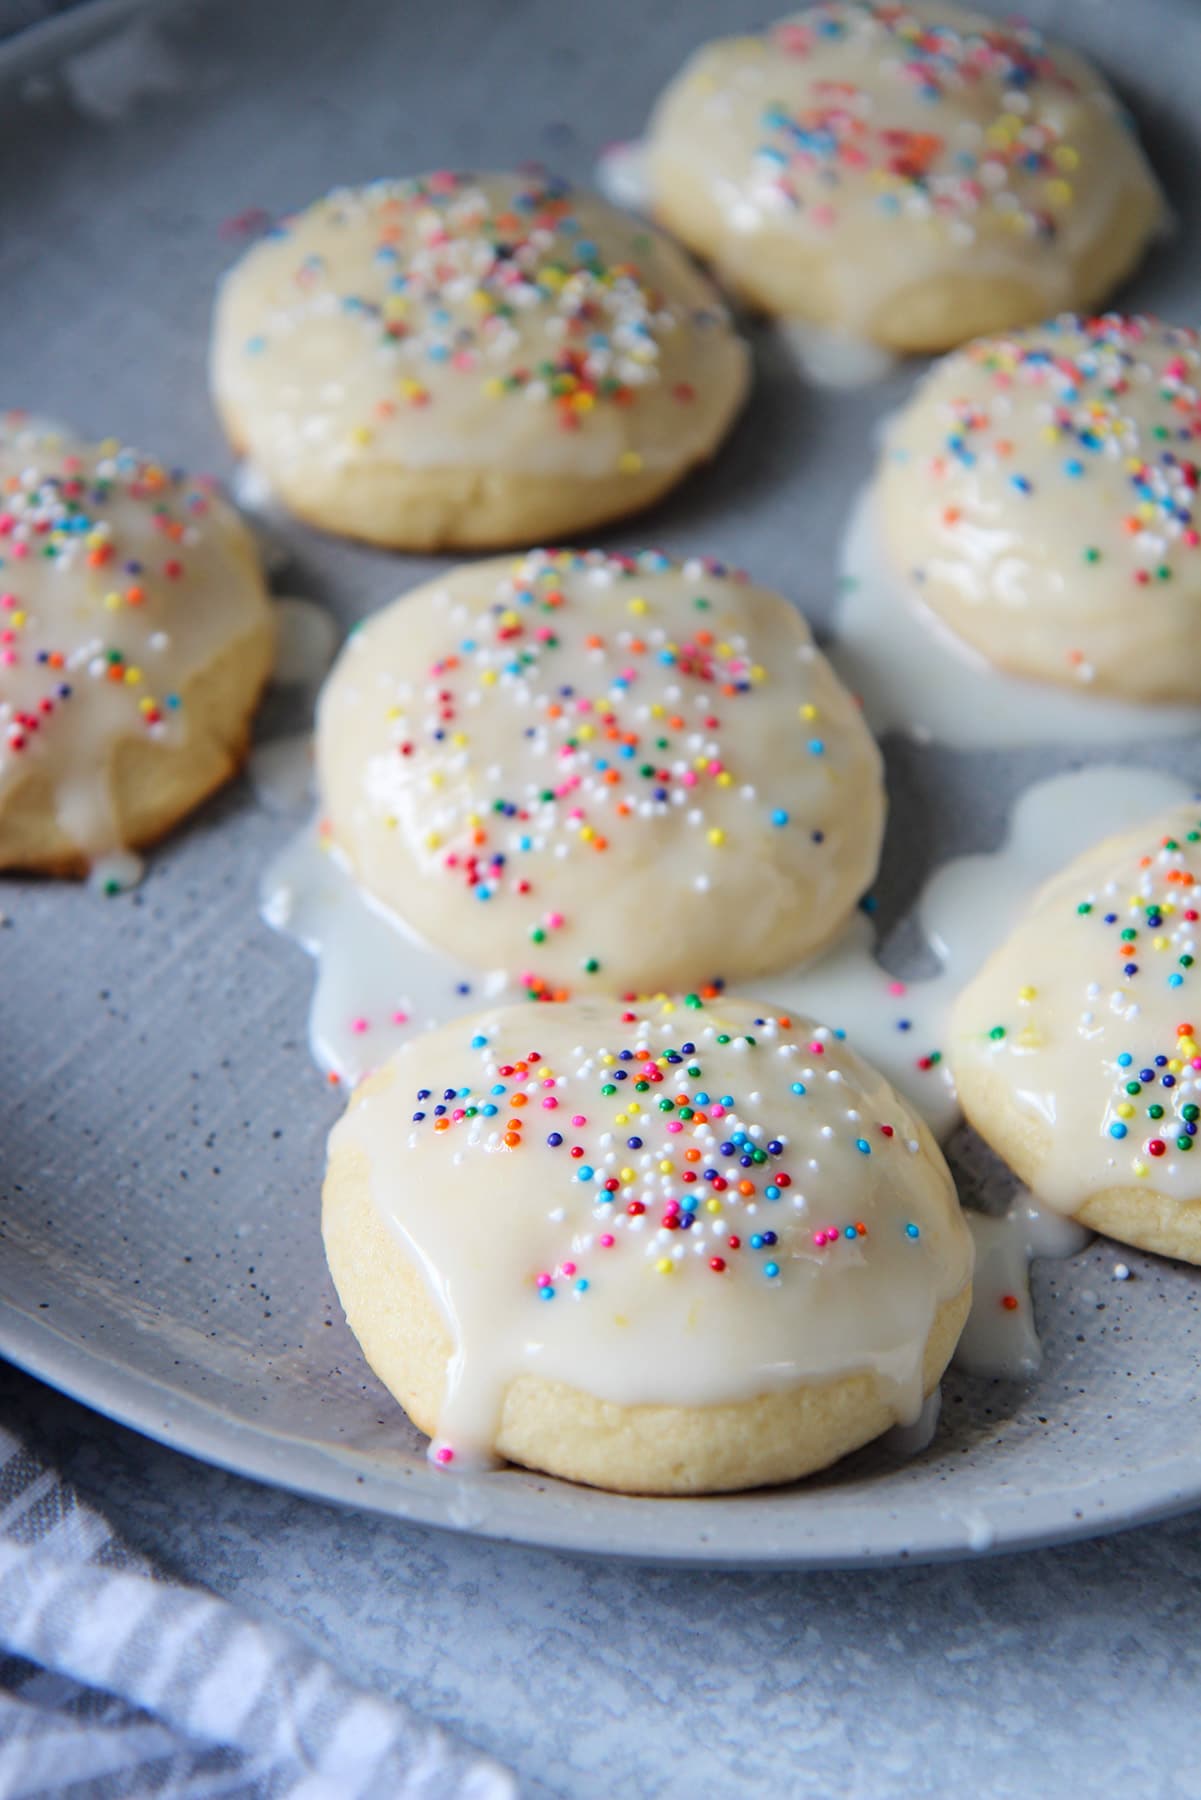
<point>135,637</point>
<point>608,772</point>
<point>1039,490</point>
<point>672,1250</point>
<point>463,361</point>
<point>911,176</point>
<point>1075,1051</point>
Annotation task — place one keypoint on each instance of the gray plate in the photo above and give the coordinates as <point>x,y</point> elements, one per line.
<point>162,1127</point>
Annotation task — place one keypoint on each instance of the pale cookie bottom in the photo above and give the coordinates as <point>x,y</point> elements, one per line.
<point>1136,1215</point>
<point>775,1437</point>
<point>152,786</point>
<point>794,279</point>
<point>400,507</point>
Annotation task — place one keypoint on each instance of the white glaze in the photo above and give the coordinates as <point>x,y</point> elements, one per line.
<point>915,677</point>
<point>380,326</point>
<point>1072,1013</point>
<point>1039,490</point>
<point>610,773</point>
<point>1001,1337</point>
<point>904,1441</point>
<point>492,1222</point>
<point>869,166</point>
<point>108,560</point>
<point>371,969</point>
<point>835,359</point>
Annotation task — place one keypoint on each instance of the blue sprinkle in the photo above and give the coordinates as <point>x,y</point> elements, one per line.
<point>547,1293</point>
<point>771,1270</point>
<point>798,1087</point>
<point>912,1231</point>
<point>862,1145</point>
<point>489,1111</point>
<point>1117,1129</point>
<point>585,1172</point>
<point>478,1042</point>
<point>582,1286</point>
<point>779,817</point>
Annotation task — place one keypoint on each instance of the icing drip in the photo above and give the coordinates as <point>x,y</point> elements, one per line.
<point>1001,1335</point>
<point>677,1205</point>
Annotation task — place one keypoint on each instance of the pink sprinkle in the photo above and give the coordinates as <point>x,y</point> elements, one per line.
<point>550,1103</point>
<point>674,1125</point>
<point>542,1280</point>
<point>8,601</point>
<point>897,988</point>
<point>579,1119</point>
<point>554,921</point>
<point>717,1111</point>
<point>569,1268</point>
<point>817,1049</point>
<point>606,1240</point>
<point>359,1025</point>
<point>444,1454</point>
<point>400,1018</point>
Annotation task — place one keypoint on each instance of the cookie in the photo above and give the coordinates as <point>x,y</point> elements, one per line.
<point>674,1249</point>
<point>601,773</point>
<point>136,635</point>
<point>1075,1050</point>
<point>470,361</point>
<point>911,176</point>
<point>1038,492</point>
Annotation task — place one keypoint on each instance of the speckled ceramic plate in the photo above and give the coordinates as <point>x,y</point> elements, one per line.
<point>161,1127</point>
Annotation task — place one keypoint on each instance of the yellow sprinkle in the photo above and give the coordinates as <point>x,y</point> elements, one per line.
<point>112,601</point>
<point>713,1206</point>
<point>627,1175</point>
<point>394,712</point>
<point>637,605</point>
<point>629,462</point>
<point>146,704</point>
<point>494,387</point>
<point>664,1265</point>
<point>635,1106</point>
<point>109,446</point>
<point>432,840</point>
<point>1026,993</point>
<point>665,1166</point>
<point>435,778</point>
<point>1159,943</point>
<point>621,1119</point>
<point>1174,1065</point>
<point>758,672</point>
<point>586,834</point>
<point>808,711</point>
<point>583,401</point>
<point>1064,157</point>
<point>361,435</point>
<point>1141,1168</point>
<point>717,836</point>
<point>608,1059</point>
<point>19,619</point>
<point>725,779</point>
<point>458,740</point>
<point>488,678</point>
<point>1125,1110</point>
<point>1059,193</point>
<point>133,676</point>
<point>585,733</point>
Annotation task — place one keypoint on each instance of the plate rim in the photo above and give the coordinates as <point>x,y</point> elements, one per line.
<point>194,1427</point>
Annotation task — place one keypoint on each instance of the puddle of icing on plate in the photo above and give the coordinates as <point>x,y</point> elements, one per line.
<point>1001,1338</point>
<point>916,678</point>
<point>377,984</point>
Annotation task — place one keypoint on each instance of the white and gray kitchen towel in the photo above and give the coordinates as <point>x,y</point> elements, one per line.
<point>115,1682</point>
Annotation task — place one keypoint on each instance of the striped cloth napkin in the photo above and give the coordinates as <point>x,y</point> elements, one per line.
<point>115,1681</point>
